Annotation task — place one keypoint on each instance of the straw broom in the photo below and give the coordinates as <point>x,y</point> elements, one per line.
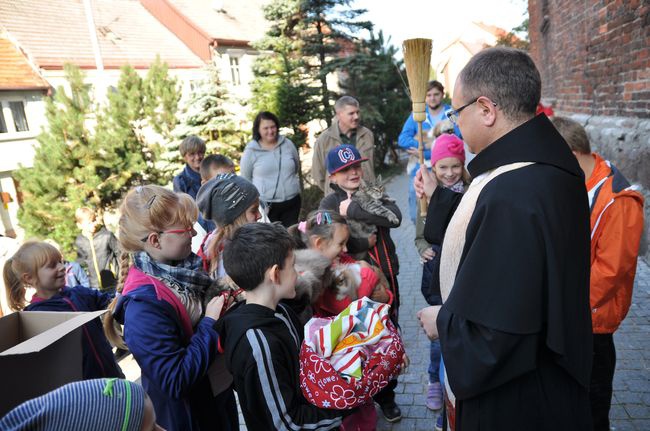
<point>417,58</point>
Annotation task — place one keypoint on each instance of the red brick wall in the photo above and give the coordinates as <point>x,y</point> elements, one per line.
<point>594,56</point>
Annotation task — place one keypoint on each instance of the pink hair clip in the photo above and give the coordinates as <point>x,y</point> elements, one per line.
<point>302,226</point>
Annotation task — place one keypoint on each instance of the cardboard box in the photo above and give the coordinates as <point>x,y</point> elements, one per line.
<point>39,351</point>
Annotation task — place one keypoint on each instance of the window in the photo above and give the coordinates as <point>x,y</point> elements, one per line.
<point>18,112</point>
<point>3,125</point>
<point>234,70</point>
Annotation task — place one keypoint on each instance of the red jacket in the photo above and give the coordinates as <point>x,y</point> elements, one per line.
<point>616,228</point>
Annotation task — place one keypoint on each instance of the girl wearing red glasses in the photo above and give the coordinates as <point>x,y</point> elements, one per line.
<point>160,295</point>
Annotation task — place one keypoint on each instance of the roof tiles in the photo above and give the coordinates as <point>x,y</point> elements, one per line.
<point>54,32</point>
<point>15,71</point>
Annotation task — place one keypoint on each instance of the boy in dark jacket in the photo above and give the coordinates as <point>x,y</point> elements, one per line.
<point>344,167</point>
<point>261,338</point>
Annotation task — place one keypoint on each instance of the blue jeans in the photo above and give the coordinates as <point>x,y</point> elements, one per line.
<point>434,362</point>
<point>432,299</point>
<point>413,201</point>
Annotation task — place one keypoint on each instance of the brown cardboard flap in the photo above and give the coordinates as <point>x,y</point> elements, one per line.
<point>48,337</point>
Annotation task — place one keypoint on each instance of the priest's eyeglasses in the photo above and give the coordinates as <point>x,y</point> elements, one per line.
<point>453,114</point>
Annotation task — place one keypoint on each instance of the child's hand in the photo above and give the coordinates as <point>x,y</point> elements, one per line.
<point>372,240</point>
<point>215,307</point>
<point>343,207</point>
<point>427,317</point>
<point>427,255</point>
<point>405,363</point>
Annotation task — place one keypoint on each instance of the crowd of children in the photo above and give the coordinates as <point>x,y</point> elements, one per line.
<point>194,349</point>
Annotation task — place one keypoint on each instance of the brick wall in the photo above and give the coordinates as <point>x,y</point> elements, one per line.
<point>594,57</point>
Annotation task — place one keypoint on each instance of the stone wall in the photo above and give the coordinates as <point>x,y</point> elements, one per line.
<point>594,58</point>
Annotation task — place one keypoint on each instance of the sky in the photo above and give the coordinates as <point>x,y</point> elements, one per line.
<point>439,20</point>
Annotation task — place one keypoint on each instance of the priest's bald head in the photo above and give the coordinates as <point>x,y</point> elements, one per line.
<point>498,90</point>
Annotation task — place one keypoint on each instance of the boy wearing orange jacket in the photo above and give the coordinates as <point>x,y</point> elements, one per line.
<point>616,228</point>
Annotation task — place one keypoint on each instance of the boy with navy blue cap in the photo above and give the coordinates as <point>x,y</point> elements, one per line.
<point>345,175</point>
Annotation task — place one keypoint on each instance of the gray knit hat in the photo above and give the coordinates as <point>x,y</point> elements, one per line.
<point>98,405</point>
<point>226,197</point>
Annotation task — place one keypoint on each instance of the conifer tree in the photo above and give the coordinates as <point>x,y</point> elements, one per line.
<point>160,98</point>
<point>75,167</point>
<point>282,83</point>
<point>328,28</point>
<point>372,75</point>
<point>61,177</point>
<point>205,115</point>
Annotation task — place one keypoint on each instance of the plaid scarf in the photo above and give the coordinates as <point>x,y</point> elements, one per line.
<point>459,187</point>
<point>187,279</point>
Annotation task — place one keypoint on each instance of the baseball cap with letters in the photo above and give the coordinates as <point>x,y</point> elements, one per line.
<point>343,156</point>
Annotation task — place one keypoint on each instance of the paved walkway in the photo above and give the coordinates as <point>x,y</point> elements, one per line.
<point>631,401</point>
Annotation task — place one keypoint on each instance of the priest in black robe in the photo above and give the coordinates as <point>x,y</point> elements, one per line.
<point>515,326</point>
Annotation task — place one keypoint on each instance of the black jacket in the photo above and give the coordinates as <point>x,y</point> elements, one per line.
<point>383,253</point>
<point>107,253</point>
<point>261,348</point>
<point>515,331</point>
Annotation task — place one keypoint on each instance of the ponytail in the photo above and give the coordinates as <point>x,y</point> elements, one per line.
<point>28,259</point>
<point>223,234</point>
<point>112,329</point>
<point>15,287</point>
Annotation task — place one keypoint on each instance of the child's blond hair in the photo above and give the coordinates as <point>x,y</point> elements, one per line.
<point>145,209</point>
<point>30,257</point>
<point>223,233</point>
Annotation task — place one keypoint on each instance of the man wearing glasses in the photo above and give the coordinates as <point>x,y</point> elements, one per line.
<point>515,326</point>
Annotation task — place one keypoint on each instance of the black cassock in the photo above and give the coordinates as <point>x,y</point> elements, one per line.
<point>515,331</point>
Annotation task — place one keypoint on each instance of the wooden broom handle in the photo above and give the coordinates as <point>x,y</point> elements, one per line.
<point>420,139</point>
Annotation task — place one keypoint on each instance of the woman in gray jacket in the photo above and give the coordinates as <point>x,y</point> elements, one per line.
<point>271,163</point>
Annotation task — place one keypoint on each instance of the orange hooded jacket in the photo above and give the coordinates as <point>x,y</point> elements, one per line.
<point>616,228</point>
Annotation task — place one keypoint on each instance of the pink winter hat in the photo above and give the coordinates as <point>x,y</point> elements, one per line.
<point>447,145</point>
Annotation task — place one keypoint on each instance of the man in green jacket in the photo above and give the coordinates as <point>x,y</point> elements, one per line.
<point>345,129</point>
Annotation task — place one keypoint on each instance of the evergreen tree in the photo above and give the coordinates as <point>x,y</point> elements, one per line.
<point>61,175</point>
<point>125,157</point>
<point>74,167</point>
<point>160,99</point>
<point>372,75</point>
<point>328,27</point>
<point>205,115</point>
<point>282,83</point>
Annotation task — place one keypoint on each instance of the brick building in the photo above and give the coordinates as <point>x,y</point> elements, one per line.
<point>594,57</point>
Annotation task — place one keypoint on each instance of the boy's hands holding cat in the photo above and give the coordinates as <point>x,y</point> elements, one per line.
<point>343,206</point>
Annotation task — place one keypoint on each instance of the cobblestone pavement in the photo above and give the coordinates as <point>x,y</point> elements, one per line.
<point>631,400</point>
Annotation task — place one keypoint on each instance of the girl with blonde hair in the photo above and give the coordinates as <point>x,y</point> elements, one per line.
<point>39,265</point>
<point>160,294</point>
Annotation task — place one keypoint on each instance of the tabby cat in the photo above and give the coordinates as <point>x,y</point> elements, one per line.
<point>371,198</point>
